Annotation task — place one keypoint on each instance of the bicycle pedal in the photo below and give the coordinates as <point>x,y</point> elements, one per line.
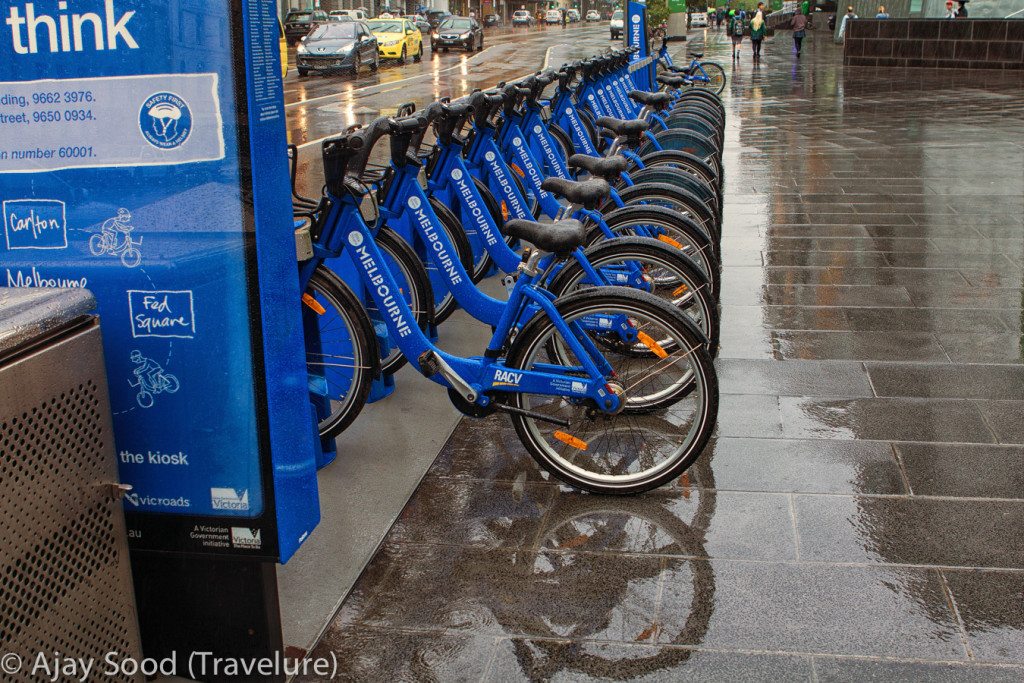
<point>429,364</point>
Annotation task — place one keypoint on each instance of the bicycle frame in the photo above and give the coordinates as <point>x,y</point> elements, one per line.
<point>345,229</point>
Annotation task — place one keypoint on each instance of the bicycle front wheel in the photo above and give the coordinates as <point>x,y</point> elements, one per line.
<point>670,274</point>
<point>342,358</point>
<point>671,397</point>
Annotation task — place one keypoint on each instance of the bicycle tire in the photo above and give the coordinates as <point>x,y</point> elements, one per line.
<point>686,161</point>
<point>680,229</point>
<point>699,107</point>
<point>674,176</point>
<point>698,301</point>
<point>690,121</point>
<point>414,277</point>
<point>358,332</point>
<point>671,197</point>
<point>716,77</point>
<point>704,96</point>
<point>444,300</point>
<point>699,390</point>
<point>684,141</point>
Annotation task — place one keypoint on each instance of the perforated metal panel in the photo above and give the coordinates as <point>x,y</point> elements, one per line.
<point>65,582</point>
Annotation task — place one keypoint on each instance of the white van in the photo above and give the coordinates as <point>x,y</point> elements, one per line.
<point>346,14</point>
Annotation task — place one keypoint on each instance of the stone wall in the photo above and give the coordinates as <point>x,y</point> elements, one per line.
<point>943,43</point>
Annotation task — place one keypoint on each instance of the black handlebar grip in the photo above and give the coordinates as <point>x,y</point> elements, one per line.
<point>362,142</point>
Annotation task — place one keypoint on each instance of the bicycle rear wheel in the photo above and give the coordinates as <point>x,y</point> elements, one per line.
<point>671,398</point>
<point>344,357</point>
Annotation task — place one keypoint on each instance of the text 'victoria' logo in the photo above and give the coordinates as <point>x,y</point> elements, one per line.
<point>165,120</point>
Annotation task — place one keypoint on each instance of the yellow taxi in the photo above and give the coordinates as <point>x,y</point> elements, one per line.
<point>397,39</point>
<point>282,45</point>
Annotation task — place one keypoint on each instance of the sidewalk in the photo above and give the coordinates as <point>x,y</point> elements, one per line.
<point>859,514</point>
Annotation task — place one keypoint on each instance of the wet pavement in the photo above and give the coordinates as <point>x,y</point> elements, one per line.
<point>858,514</point>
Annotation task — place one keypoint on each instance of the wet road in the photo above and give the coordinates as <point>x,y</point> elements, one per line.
<point>858,514</point>
<point>319,106</point>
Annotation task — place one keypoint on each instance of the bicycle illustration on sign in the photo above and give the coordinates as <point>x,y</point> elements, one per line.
<point>115,239</point>
<point>151,379</point>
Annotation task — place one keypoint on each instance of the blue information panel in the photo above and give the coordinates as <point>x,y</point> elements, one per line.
<point>142,155</point>
<point>641,63</point>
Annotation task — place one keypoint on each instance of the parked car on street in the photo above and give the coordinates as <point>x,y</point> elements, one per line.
<point>298,24</point>
<point>593,15</point>
<point>464,32</point>
<point>699,20</point>
<point>573,15</point>
<point>553,16</point>
<point>615,24</point>
<point>397,39</point>
<point>337,46</point>
<point>522,17</point>
<point>492,20</point>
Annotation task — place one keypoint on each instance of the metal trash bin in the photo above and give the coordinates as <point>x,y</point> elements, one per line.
<point>66,581</point>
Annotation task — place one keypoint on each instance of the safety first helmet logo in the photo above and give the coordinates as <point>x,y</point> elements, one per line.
<point>414,203</point>
<point>165,120</point>
<point>489,156</point>
<point>355,238</point>
<point>456,174</point>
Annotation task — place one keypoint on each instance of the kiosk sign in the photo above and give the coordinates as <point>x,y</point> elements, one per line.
<point>127,129</point>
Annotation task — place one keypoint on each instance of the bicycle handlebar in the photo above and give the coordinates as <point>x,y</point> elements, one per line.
<point>484,105</point>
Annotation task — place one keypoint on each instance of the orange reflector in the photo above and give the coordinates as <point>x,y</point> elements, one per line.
<point>668,240</point>
<point>521,172</point>
<point>313,303</point>
<point>571,440</point>
<point>648,341</point>
<point>681,289</point>
<point>504,211</point>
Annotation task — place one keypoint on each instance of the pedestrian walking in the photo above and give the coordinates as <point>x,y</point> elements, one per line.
<point>850,14</point>
<point>799,26</point>
<point>950,12</point>
<point>961,12</point>
<point>735,29</point>
<point>882,14</point>
<point>757,30</point>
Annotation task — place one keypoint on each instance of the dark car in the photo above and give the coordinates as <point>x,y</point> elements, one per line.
<point>337,46</point>
<point>492,20</point>
<point>464,32</point>
<point>436,16</point>
<point>420,22</point>
<point>298,24</point>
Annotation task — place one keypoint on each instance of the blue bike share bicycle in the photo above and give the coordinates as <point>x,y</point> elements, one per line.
<point>610,389</point>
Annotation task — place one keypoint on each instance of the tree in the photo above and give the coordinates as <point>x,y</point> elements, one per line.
<point>657,13</point>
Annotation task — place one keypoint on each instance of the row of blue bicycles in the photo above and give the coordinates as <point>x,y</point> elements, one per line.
<point>599,207</point>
